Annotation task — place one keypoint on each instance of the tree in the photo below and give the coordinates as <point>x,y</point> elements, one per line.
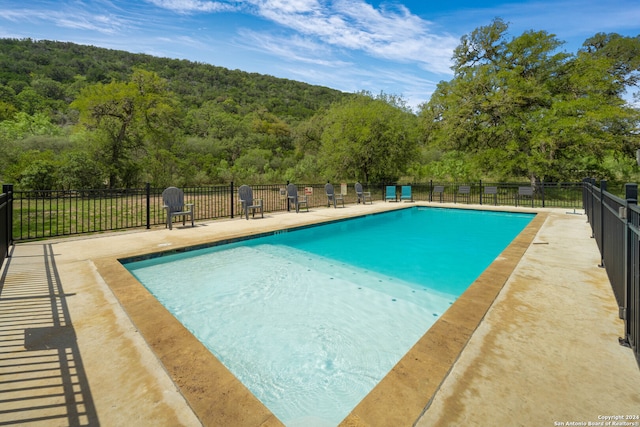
<point>78,170</point>
<point>619,58</point>
<point>8,106</point>
<point>128,118</point>
<point>34,170</point>
<point>524,109</point>
<point>369,139</point>
<point>622,55</point>
<point>23,125</point>
<point>273,132</point>
<point>31,102</point>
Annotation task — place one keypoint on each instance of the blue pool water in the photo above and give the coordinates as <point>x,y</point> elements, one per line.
<point>311,320</point>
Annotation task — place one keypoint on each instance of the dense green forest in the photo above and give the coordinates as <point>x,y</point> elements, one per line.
<point>74,116</point>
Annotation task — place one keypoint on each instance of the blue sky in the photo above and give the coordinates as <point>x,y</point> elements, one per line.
<point>400,47</point>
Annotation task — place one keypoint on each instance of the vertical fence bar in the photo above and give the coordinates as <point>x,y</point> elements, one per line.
<point>585,201</point>
<point>42,214</point>
<point>603,188</point>
<point>7,211</point>
<point>593,231</point>
<point>4,225</point>
<point>64,213</point>
<point>8,188</point>
<point>9,191</point>
<point>631,198</point>
<point>633,313</point>
<point>147,189</point>
<point>21,227</point>
<point>632,319</point>
<point>231,192</point>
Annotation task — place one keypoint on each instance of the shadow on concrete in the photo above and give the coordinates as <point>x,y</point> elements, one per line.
<point>42,379</point>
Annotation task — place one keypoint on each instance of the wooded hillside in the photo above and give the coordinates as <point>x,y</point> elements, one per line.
<point>220,118</point>
<point>74,116</point>
<point>57,71</point>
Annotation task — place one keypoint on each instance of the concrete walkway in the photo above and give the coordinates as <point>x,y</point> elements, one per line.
<point>546,352</point>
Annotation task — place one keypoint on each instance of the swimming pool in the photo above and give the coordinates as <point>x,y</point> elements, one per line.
<point>355,285</point>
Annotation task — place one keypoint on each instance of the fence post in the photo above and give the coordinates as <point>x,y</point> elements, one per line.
<point>8,190</point>
<point>231,191</point>
<point>430,190</point>
<point>147,189</point>
<point>592,181</point>
<point>585,198</point>
<point>542,191</point>
<point>631,198</point>
<point>603,188</point>
<point>480,190</point>
<point>631,193</point>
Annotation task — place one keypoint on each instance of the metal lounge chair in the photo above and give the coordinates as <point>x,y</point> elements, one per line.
<point>405,193</point>
<point>523,193</point>
<point>390,193</point>
<point>361,195</point>
<point>492,190</point>
<point>332,197</point>
<point>463,190</point>
<point>245,193</point>
<point>297,200</point>
<point>173,203</point>
<point>438,189</point>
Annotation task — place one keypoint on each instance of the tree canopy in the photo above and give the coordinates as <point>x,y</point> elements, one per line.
<point>516,108</point>
<point>137,115</point>
<point>369,139</point>
<point>522,108</point>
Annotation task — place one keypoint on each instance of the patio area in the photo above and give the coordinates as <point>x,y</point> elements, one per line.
<point>82,344</point>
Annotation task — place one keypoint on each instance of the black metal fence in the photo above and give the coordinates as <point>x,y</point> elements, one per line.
<point>543,194</point>
<point>6,215</point>
<point>44,214</point>
<point>615,224</point>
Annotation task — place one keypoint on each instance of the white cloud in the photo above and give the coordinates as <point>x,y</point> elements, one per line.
<point>291,49</point>
<point>386,32</point>
<point>102,23</point>
<point>413,88</point>
<point>192,6</point>
<point>288,6</point>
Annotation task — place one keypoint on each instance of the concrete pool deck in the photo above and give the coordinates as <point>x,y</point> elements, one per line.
<point>533,342</point>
